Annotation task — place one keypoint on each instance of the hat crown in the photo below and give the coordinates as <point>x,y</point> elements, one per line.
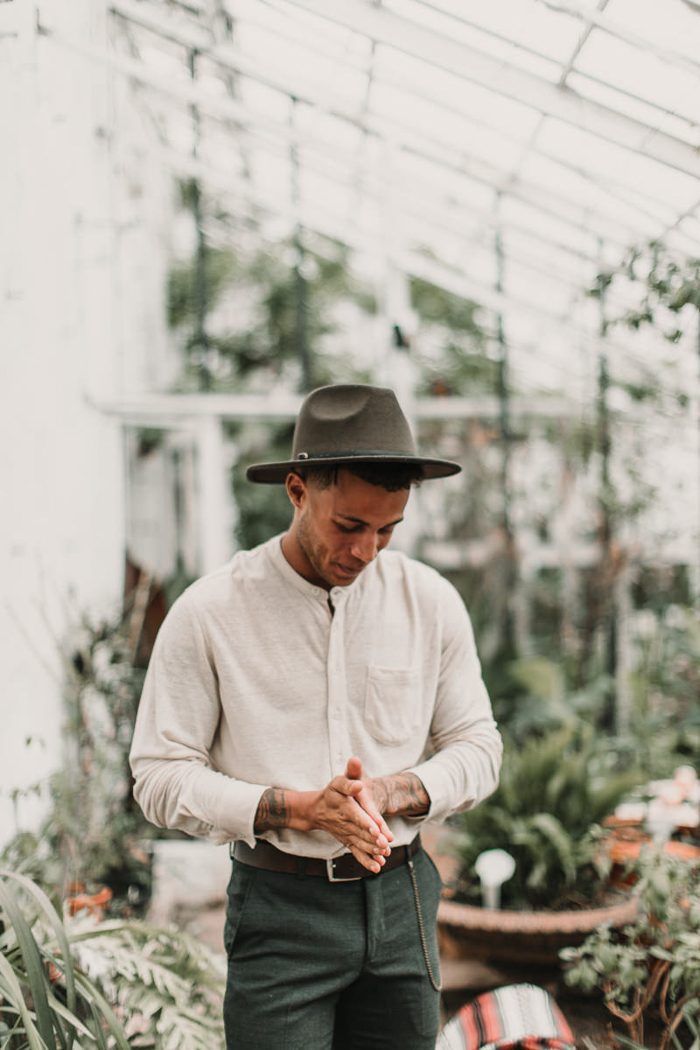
<point>351,419</point>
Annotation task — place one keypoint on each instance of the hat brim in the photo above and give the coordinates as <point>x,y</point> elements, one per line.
<point>276,473</point>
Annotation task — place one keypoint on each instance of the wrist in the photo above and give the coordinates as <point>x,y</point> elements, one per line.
<point>284,808</point>
<point>402,794</point>
<point>303,810</point>
<point>378,789</point>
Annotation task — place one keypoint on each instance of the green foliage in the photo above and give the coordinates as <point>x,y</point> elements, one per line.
<point>665,687</point>
<point>220,267</point>
<point>436,304</point>
<point>262,510</point>
<point>148,439</point>
<point>575,438</point>
<point>114,984</point>
<point>651,967</point>
<point>537,697</point>
<point>46,1001</point>
<point>166,986</point>
<point>458,371</point>
<point>553,792</point>
<point>461,365</point>
<point>93,830</point>
<point>666,282</point>
<point>288,297</point>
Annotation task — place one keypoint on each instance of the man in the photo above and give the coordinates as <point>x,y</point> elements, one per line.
<point>313,703</point>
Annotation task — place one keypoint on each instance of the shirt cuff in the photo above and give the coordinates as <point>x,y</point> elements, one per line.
<point>228,806</point>
<point>236,809</point>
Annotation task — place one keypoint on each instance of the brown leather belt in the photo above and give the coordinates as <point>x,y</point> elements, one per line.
<point>338,869</point>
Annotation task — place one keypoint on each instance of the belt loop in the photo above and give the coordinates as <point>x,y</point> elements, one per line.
<point>300,866</point>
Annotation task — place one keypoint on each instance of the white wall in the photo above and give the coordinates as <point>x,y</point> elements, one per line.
<point>83,215</point>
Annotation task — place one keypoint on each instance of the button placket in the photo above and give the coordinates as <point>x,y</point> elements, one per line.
<point>337,688</point>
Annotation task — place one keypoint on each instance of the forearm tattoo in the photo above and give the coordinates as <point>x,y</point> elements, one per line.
<point>404,793</point>
<point>272,811</point>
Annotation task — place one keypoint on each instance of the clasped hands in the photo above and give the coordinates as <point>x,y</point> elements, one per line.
<point>349,809</point>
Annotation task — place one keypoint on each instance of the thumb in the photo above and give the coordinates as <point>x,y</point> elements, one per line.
<point>347,787</point>
<point>353,770</point>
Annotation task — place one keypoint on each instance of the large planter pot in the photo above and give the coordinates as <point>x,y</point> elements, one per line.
<point>501,936</point>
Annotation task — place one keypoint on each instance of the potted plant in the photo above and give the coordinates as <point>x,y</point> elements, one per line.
<point>546,814</point>
<point>649,970</point>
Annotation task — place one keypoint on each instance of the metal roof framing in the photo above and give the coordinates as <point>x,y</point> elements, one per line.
<point>467,63</point>
<point>617,216</point>
<point>602,224</point>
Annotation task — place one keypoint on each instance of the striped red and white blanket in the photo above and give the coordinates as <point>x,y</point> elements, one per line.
<point>515,1017</point>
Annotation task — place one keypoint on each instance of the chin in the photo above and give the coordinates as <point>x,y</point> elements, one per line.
<point>343,579</point>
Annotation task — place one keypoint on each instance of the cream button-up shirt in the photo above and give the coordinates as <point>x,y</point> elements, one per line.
<point>260,679</point>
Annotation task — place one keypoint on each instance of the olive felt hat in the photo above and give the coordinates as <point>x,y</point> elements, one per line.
<point>344,424</point>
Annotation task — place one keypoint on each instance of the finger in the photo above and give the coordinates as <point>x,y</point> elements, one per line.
<point>353,770</point>
<point>352,809</point>
<point>346,786</point>
<point>367,847</point>
<point>359,815</point>
<point>366,860</point>
<point>352,833</point>
<point>365,800</point>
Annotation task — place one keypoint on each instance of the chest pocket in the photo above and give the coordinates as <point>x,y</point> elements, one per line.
<point>392,703</point>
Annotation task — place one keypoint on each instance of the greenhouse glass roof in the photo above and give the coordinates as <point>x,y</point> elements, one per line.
<point>506,151</point>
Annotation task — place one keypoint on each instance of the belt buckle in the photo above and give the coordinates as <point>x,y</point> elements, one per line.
<point>332,877</point>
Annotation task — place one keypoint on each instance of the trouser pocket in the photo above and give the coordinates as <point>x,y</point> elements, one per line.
<point>238,894</point>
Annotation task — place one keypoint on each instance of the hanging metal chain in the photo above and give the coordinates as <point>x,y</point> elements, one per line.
<point>437,984</point>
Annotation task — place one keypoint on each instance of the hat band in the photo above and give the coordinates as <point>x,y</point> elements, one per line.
<point>356,454</point>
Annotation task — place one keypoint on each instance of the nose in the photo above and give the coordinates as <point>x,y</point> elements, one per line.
<point>365,549</point>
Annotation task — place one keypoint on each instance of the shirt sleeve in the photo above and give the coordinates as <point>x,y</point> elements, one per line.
<point>179,712</point>
<point>465,745</point>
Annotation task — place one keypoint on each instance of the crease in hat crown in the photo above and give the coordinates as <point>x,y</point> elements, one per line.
<point>347,422</point>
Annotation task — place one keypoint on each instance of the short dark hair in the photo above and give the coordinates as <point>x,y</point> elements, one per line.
<point>390,476</point>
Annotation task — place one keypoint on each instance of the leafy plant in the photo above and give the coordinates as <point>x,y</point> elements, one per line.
<point>261,510</point>
<point>651,967</point>
<point>665,685</point>
<point>553,793</point>
<point>268,314</point>
<point>219,269</point>
<point>93,831</point>
<point>116,984</point>
<point>539,699</point>
<point>46,1001</point>
<point>665,281</point>
<point>458,362</point>
<point>165,985</point>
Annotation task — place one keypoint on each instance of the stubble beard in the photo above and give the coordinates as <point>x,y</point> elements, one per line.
<point>309,549</point>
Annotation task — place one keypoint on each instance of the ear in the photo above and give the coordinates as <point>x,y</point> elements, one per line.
<point>296,490</point>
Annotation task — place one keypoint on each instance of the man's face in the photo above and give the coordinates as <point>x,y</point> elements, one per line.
<point>342,528</point>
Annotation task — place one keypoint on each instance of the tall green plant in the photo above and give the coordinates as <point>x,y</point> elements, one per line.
<point>665,685</point>
<point>553,793</point>
<point>46,1001</point>
<point>112,984</point>
<point>93,830</point>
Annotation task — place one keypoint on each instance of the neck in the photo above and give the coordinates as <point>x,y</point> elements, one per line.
<point>294,554</point>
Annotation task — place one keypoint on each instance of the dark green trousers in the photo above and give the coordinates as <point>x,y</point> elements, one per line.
<point>316,965</point>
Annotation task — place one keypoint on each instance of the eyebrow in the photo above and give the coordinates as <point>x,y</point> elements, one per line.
<point>359,521</point>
